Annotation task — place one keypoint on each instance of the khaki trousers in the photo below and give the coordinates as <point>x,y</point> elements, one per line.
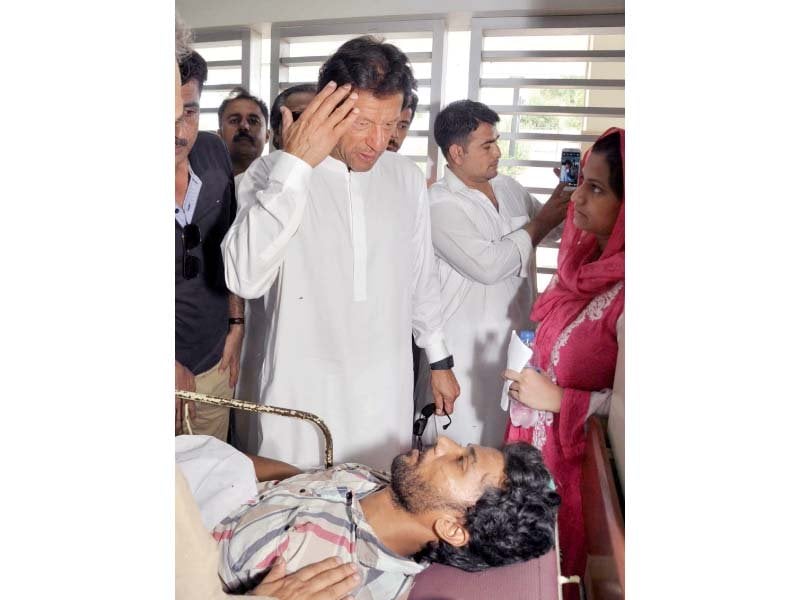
<point>210,419</point>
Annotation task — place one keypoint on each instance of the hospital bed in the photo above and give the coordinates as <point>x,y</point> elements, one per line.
<point>537,579</point>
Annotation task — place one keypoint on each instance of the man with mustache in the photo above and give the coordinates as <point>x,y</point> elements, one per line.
<point>467,507</point>
<point>209,321</point>
<point>243,127</point>
<point>334,233</point>
<point>485,227</point>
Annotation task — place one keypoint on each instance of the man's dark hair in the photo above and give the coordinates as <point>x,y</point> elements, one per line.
<point>194,67</point>
<point>368,63</point>
<point>240,93</point>
<point>454,124</point>
<point>510,524</point>
<point>609,147</point>
<point>411,102</point>
<point>275,118</point>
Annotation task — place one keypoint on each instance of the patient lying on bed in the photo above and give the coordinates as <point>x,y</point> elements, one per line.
<point>468,507</point>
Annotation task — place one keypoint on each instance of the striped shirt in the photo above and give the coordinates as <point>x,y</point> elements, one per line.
<point>305,519</point>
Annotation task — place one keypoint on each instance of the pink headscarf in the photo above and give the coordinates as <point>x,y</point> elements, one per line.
<point>579,278</point>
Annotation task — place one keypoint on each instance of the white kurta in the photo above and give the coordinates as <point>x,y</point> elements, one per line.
<point>346,267</point>
<point>486,269</point>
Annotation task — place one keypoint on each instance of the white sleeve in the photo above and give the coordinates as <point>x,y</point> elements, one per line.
<point>459,243</point>
<point>599,402</point>
<point>426,309</point>
<point>271,205</point>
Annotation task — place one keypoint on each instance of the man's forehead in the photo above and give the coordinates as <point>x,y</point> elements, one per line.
<point>190,91</point>
<point>484,133</point>
<point>298,99</point>
<point>485,130</point>
<point>378,108</point>
<point>490,453</point>
<point>242,106</point>
<point>492,462</point>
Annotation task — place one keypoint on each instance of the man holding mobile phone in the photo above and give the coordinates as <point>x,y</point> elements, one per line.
<point>485,228</point>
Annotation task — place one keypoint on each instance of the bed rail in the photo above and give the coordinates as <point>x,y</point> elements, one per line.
<point>262,408</point>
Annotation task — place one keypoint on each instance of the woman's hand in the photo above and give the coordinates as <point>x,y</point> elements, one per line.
<point>534,389</point>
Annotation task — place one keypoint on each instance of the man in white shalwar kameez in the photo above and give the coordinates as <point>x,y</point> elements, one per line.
<point>485,228</point>
<point>335,234</point>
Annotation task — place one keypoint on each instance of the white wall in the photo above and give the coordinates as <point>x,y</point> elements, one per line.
<point>216,13</point>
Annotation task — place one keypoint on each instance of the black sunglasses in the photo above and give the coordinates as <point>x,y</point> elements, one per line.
<point>425,414</point>
<point>191,239</point>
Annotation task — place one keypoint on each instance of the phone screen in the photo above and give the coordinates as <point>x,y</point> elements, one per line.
<point>570,165</point>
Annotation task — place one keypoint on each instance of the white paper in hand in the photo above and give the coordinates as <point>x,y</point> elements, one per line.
<point>518,356</point>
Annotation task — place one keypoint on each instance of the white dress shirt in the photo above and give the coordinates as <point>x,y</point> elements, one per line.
<point>487,272</point>
<point>346,267</point>
<point>185,212</point>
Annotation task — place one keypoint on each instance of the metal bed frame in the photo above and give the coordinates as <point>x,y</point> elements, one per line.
<point>262,408</point>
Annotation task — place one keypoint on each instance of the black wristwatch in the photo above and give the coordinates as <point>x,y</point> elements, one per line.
<point>443,365</point>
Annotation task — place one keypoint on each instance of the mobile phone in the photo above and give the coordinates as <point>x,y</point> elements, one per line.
<point>570,166</point>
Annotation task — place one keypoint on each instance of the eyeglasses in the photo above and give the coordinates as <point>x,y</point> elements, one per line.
<point>420,424</point>
<point>191,239</point>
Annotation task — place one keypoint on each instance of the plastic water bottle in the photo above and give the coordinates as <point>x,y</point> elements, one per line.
<point>528,337</point>
<point>521,414</point>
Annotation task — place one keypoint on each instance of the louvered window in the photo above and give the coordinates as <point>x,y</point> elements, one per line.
<point>556,82</point>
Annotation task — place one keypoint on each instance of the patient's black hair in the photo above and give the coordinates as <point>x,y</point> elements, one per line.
<point>507,525</point>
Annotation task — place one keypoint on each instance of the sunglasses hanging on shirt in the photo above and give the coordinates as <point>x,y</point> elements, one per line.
<point>191,239</point>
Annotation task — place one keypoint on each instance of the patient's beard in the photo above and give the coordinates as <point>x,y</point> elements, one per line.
<point>411,492</point>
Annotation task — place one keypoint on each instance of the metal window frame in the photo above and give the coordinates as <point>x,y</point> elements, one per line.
<point>483,27</point>
<point>435,26</point>
<point>250,73</point>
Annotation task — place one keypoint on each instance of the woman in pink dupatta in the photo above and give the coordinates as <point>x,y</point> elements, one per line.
<point>576,341</point>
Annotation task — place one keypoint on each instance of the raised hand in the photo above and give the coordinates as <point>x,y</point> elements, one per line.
<point>315,133</point>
